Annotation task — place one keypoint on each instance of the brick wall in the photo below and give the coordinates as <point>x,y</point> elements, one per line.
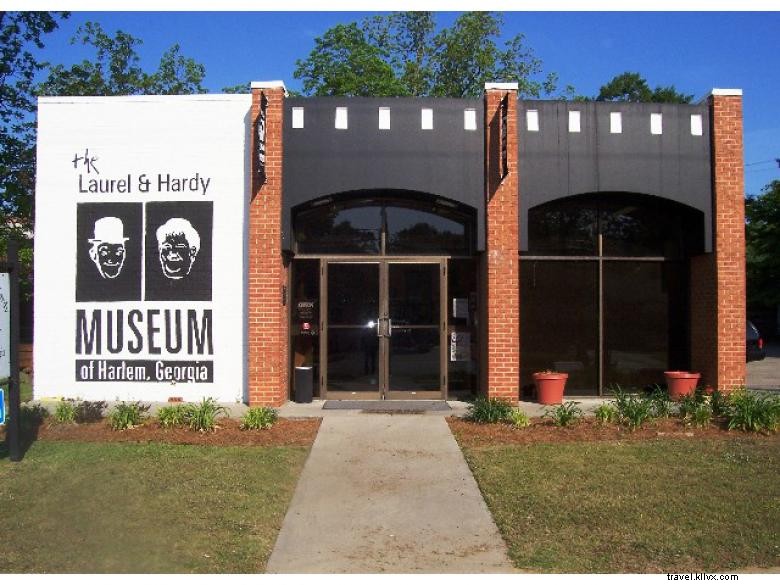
<point>267,369</point>
<point>502,299</point>
<point>729,233</point>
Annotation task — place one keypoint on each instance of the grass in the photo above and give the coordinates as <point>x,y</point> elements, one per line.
<point>635,507</point>
<point>144,508</point>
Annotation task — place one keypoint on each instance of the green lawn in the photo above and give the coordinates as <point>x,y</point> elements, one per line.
<point>145,508</point>
<point>646,506</point>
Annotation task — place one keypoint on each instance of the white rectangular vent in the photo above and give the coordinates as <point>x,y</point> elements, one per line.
<point>384,118</point>
<point>470,119</point>
<point>532,120</point>
<point>341,118</point>
<point>574,121</point>
<point>696,125</point>
<point>615,123</point>
<point>297,117</point>
<point>426,119</point>
<point>656,124</point>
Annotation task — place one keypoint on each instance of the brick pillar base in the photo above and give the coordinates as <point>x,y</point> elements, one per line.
<point>502,261</point>
<point>268,339</point>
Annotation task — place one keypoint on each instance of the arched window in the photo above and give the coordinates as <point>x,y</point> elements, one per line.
<point>384,223</point>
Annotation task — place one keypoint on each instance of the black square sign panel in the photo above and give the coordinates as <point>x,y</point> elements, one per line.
<point>109,238</point>
<point>178,250</point>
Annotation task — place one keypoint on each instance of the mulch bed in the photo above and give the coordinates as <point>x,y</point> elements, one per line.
<point>471,434</point>
<point>285,432</point>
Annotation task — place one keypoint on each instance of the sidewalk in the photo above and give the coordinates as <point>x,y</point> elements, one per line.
<point>387,493</point>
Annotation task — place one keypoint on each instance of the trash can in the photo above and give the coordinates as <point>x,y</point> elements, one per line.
<point>304,383</point>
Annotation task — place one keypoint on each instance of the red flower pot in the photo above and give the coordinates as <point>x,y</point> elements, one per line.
<point>681,383</point>
<point>549,387</point>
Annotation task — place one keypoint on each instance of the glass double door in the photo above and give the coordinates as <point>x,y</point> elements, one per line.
<point>384,327</point>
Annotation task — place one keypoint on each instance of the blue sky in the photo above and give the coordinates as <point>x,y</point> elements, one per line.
<point>693,51</point>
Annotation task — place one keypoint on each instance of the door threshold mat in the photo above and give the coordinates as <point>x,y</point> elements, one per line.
<point>389,406</point>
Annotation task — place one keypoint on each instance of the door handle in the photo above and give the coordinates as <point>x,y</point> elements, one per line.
<point>389,327</point>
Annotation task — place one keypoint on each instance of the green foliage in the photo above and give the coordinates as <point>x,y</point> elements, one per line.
<point>762,239</point>
<point>172,416</point>
<point>633,411</point>
<point>401,54</point>
<point>127,415</point>
<point>203,416</point>
<point>65,413</point>
<point>696,410</point>
<point>488,410</point>
<point>606,414</point>
<point>632,87</point>
<point>519,419</point>
<point>753,411</point>
<point>564,415</point>
<point>115,69</point>
<point>89,411</point>
<point>660,403</point>
<point>719,403</point>
<point>259,418</point>
<point>31,416</point>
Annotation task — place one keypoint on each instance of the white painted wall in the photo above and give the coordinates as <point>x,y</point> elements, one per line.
<point>139,135</point>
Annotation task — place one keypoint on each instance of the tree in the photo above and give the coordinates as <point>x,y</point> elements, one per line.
<point>762,236</point>
<point>632,87</point>
<point>401,54</point>
<point>115,69</point>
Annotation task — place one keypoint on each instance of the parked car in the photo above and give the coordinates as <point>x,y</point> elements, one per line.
<point>755,343</point>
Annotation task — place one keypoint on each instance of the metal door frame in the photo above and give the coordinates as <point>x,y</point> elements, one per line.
<point>384,342</point>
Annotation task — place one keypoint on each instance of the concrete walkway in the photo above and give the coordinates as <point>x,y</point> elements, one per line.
<point>387,493</point>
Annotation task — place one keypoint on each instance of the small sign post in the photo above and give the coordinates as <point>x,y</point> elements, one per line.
<point>9,347</point>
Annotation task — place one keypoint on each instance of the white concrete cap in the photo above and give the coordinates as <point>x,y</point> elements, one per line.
<point>716,91</point>
<point>509,86</point>
<point>273,84</point>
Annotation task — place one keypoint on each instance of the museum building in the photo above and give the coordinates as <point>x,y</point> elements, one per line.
<point>389,248</point>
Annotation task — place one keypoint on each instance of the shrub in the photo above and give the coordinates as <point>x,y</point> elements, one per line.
<point>88,411</point>
<point>719,403</point>
<point>606,413</point>
<point>660,403</point>
<point>127,415</point>
<point>172,416</point>
<point>696,413</point>
<point>519,419</point>
<point>31,416</point>
<point>203,417</point>
<point>751,411</point>
<point>633,411</point>
<point>65,413</point>
<point>489,410</point>
<point>564,414</point>
<point>259,418</point>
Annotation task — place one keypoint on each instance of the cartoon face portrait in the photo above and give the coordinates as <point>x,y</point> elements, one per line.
<point>178,243</point>
<point>107,249</point>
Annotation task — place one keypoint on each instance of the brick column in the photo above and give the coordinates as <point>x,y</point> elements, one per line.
<point>502,245</point>
<point>729,233</point>
<point>267,329</point>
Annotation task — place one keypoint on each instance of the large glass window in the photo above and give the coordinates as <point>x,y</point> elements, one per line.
<point>384,225</point>
<point>618,312</point>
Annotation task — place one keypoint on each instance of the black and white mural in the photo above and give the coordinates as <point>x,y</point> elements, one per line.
<point>139,248</point>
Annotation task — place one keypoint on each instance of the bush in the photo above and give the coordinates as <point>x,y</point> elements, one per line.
<point>31,416</point>
<point>259,418</point>
<point>203,417</point>
<point>632,411</point>
<point>751,411</point>
<point>172,416</point>
<point>65,413</point>
<point>489,410</point>
<point>564,414</point>
<point>88,411</point>
<point>127,415</point>
<point>719,403</point>
<point>660,403</point>
<point>606,413</point>
<point>519,419</point>
<point>696,411</point>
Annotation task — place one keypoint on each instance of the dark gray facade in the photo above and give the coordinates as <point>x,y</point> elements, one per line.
<point>446,161</point>
<point>555,162</point>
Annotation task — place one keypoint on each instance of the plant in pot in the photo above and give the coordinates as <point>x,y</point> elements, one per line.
<point>681,383</point>
<point>550,386</point>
